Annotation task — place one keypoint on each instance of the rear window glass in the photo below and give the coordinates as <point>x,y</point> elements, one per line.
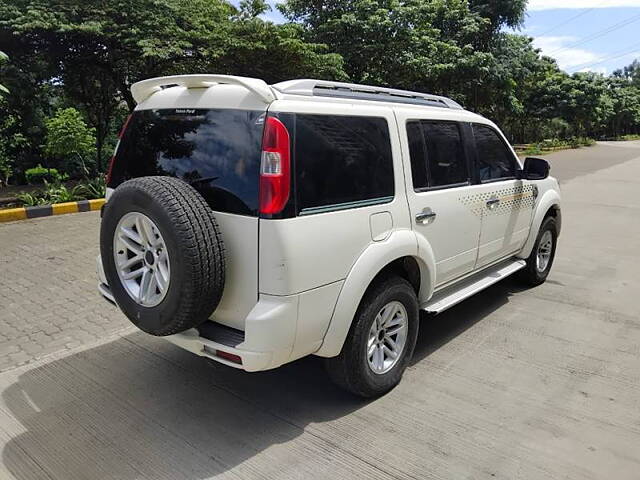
<point>216,151</point>
<point>341,161</point>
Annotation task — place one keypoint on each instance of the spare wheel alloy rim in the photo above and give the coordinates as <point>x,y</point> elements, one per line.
<point>141,259</point>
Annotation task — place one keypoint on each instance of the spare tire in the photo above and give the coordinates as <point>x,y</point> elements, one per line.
<point>162,254</point>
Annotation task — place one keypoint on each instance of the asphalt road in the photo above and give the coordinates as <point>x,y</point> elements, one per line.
<point>539,383</point>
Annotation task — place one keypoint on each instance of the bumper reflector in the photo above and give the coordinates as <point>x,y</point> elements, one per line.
<point>231,357</point>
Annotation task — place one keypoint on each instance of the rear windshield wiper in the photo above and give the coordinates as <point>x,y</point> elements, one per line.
<point>202,180</point>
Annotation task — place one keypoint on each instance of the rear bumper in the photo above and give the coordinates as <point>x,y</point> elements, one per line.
<point>267,341</point>
<point>192,341</point>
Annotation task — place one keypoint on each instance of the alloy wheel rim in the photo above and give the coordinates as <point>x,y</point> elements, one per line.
<point>387,337</point>
<point>545,248</point>
<point>141,259</point>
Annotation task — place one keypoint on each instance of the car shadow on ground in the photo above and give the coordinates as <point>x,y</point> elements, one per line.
<point>437,330</point>
<point>139,407</point>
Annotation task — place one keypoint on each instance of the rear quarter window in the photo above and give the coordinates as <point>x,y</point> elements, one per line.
<point>341,162</point>
<point>215,150</point>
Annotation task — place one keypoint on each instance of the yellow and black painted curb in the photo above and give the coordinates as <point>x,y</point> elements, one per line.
<point>23,213</point>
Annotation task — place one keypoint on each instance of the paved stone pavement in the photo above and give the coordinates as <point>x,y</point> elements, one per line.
<point>48,296</point>
<point>513,383</point>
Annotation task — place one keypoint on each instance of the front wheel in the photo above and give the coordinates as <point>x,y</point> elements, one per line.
<point>541,257</point>
<point>381,340</point>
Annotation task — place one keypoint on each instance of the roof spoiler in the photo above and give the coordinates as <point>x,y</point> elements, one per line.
<point>144,89</point>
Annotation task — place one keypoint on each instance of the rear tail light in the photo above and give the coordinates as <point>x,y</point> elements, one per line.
<point>120,135</point>
<point>275,178</point>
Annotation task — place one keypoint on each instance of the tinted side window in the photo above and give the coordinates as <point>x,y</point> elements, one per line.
<point>418,155</point>
<point>437,154</point>
<point>446,161</point>
<point>495,160</point>
<point>341,159</point>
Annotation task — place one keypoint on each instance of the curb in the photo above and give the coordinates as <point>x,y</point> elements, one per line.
<point>24,213</point>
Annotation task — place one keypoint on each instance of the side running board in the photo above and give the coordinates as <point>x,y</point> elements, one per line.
<point>454,294</point>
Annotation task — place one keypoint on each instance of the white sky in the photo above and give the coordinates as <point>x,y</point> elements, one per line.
<point>580,4</point>
<point>566,57</point>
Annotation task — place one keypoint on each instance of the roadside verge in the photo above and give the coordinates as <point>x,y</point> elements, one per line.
<point>24,213</point>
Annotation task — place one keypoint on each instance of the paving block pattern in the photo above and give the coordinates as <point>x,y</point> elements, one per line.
<point>48,296</point>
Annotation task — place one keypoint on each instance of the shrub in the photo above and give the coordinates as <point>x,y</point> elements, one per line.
<point>533,150</point>
<point>31,199</point>
<point>629,137</point>
<point>6,170</point>
<point>12,143</point>
<point>576,142</point>
<point>70,140</point>
<point>40,174</point>
<point>557,144</point>
<point>96,188</point>
<point>59,193</point>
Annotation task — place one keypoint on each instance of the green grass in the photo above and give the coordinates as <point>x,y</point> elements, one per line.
<point>629,137</point>
<point>554,144</point>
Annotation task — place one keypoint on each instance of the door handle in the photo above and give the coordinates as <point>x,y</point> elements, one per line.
<point>426,217</point>
<point>493,203</point>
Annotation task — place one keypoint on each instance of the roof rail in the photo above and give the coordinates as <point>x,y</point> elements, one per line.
<point>144,89</point>
<point>362,92</point>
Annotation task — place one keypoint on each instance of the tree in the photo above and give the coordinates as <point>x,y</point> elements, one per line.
<point>3,58</point>
<point>625,106</point>
<point>96,52</point>
<point>11,142</point>
<point>420,45</point>
<point>631,73</point>
<point>86,55</point>
<point>125,39</point>
<point>71,141</point>
<point>498,14</point>
<point>521,90</point>
<point>277,52</point>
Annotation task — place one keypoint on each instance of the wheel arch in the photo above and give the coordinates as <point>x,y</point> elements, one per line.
<point>401,255</point>
<point>548,205</point>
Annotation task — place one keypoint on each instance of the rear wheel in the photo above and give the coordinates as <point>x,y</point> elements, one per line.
<point>541,258</point>
<point>381,340</point>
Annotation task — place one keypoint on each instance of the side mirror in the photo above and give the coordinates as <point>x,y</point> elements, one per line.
<point>535,169</point>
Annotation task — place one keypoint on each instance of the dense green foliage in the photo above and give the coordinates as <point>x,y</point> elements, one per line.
<point>12,140</point>
<point>86,55</point>
<point>59,193</point>
<point>553,144</point>
<point>40,174</point>
<point>70,141</point>
<point>458,48</point>
<point>3,59</point>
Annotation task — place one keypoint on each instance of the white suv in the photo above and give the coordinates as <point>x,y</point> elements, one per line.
<point>256,224</point>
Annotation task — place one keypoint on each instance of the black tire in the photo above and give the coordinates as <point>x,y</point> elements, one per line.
<point>531,275</point>
<point>350,370</point>
<point>194,245</point>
